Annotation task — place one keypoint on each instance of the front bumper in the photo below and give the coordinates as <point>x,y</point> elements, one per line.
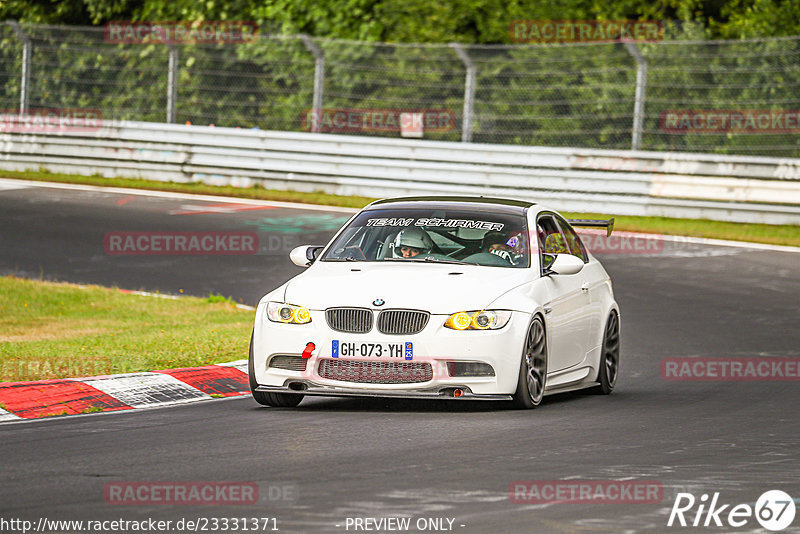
<point>436,344</point>
<point>328,391</point>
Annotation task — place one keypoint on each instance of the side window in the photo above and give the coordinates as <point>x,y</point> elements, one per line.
<point>574,242</point>
<point>551,240</point>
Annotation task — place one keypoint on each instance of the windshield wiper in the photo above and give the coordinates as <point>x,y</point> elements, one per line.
<point>348,258</point>
<point>439,260</point>
<point>431,259</point>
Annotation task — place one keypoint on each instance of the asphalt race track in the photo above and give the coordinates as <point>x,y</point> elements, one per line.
<point>333,459</point>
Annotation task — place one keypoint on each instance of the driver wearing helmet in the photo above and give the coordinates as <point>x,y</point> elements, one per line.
<point>496,243</point>
<point>412,242</point>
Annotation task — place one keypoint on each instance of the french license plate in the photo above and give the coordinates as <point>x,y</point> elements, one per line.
<point>356,349</point>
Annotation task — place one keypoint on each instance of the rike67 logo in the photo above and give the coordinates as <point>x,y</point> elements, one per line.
<point>774,510</point>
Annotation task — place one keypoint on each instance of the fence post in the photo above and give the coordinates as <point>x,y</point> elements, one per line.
<point>25,75</point>
<point>172,84</point>
<point>319,80</point>
<point>639,99</point>
<point>469,91</point>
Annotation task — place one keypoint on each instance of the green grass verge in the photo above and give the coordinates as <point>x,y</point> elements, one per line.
<point>196,188</point>
<point>58,330</point>
<point>758,233</point>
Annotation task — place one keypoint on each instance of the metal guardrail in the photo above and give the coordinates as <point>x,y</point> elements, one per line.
<point>730,188</point>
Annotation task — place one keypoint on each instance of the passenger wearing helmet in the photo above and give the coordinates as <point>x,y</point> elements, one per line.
<point>497,244</point>
<point>412,242</point>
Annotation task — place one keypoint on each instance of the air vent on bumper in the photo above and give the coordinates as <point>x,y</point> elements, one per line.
<point>372,372</point>
<point>288,363</point>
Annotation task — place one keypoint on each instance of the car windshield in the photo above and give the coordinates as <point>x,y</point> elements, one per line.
<point>434,236</point>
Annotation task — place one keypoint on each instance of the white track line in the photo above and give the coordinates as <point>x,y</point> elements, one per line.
<point>6,416</point>
<point>692,240</point>
<point>11,185</point>
<point>725,243</point>
<point>172,195</point>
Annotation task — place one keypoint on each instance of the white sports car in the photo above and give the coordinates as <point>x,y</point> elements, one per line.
<point>440,298</point>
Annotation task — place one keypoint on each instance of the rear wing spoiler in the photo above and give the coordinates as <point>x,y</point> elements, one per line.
<point>594,223</point>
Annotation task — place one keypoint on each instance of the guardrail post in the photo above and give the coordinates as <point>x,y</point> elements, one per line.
<point>25,75</point>
<point>641,88</point>
<point>469,91</point>
<point>319,79</point>
<point>172,84</point>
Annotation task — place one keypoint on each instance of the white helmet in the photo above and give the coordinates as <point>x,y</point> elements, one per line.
<point>414,237</point>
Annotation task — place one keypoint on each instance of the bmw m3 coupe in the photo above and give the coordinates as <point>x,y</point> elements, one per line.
<point>440,298</point>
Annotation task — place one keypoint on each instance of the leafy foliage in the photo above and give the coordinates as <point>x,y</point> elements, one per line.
<point>468,21</point>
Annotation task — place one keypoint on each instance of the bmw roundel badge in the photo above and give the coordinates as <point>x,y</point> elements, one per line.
<point>378,302</point>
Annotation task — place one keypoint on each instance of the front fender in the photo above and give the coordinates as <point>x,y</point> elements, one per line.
<point>527,298</point>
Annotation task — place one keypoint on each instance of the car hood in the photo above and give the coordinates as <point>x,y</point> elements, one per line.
<point>439,289</point>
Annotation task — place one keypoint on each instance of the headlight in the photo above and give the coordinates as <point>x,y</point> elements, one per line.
<point>478,320</point>
<point>280,312</point>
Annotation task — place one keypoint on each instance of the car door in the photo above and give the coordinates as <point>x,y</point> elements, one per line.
<point>594,282</point>
<point>566,313</point>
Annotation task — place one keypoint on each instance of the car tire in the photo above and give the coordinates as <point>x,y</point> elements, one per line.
<point>609,357</point>
<point>533,367</point>
<point>277,400</point>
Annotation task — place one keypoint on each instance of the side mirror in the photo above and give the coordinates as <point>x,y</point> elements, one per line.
<point>304,255</point>
<point>565,264</point>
